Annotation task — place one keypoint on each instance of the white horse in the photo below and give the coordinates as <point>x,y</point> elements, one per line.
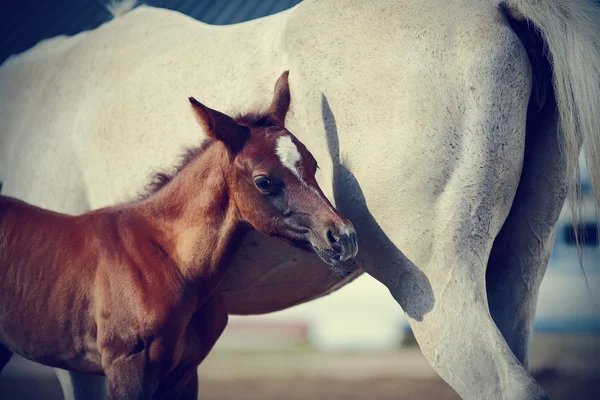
<point>441,130</point>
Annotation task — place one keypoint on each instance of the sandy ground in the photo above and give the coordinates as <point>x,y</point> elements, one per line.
<point>567,367</point>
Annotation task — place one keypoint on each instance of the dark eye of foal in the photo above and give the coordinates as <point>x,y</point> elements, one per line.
<point>264,184</point>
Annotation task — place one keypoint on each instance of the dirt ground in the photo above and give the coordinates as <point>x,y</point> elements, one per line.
<point>568,368</point>
<point>562,387</point>
<point>559,387</point>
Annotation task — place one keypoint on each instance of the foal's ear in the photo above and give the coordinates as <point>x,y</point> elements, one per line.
<point>221,127</point>
<point>281,100</point>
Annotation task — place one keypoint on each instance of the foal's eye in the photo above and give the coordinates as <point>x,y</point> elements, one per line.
<point>263,183</point>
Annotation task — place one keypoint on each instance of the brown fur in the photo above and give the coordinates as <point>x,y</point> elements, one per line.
<point>131,291</point>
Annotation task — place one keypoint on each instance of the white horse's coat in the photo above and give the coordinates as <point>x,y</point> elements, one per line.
<point>434,124</point>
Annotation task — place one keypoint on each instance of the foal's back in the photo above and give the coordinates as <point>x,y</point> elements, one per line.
<point>39,241</point>
<point>36,247</point>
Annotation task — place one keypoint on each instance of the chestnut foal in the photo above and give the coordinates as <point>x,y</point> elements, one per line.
<point>131,291</point>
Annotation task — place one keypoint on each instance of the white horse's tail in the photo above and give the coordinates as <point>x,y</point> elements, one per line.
<point>571,30</point>
<point>120,7</point>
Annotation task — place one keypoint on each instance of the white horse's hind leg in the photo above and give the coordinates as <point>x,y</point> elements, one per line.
<point>521,251</point>
<point>443,288</point>
<point>444,291</point>
<point>445,299</point>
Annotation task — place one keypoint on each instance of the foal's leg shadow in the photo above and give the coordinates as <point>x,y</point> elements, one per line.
<point>5,356</point>
<point>411,287</point>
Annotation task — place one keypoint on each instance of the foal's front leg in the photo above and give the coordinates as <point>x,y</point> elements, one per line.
<point>128,377</point>
<point>205,328</point>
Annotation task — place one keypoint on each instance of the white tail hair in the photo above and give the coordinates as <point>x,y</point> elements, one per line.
<point>120,7</point>
<point>571,30</point>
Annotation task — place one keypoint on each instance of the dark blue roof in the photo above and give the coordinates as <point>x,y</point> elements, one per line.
<point>23,23</point>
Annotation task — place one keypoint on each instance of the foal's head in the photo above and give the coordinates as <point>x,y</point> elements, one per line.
<point>271,180</point>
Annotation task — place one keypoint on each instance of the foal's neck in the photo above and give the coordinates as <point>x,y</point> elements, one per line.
<point>193,219</point>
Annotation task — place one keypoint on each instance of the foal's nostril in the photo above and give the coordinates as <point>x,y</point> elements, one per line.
<point>331,237</point>
<point>342,244</point>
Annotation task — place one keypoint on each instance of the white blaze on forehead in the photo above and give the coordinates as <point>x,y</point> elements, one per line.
<point>288,154</point>
<point>290,157</point>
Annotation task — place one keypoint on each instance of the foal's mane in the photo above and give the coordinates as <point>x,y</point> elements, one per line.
<point>161,179</point>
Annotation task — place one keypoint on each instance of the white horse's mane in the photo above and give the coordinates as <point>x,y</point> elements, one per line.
<point>120,7</point>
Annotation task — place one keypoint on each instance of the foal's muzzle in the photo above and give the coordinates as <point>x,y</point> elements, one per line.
<point>338,247</point>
